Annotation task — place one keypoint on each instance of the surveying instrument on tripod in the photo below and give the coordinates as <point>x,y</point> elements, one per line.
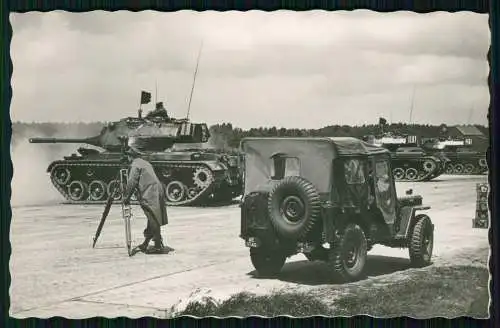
<point>125,208</point>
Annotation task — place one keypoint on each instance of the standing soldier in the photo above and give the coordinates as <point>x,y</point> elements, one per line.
<point>151,197</point>
<point>158,112</point>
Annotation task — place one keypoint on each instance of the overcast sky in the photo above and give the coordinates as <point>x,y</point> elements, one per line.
<point>284,69</point>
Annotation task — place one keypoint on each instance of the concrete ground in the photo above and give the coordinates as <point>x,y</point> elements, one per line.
<point>56,272</point>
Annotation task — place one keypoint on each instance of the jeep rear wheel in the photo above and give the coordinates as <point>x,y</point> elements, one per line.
<point>294,207</point>
<point>266,262</point>
<point>421,241</point>
<point>347,258</point>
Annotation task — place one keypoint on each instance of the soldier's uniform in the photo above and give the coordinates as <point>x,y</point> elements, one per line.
<point>159,112</point>
<point>151,197</point>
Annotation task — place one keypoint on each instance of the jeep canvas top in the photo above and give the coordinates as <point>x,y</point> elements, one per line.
<point>310,156</point>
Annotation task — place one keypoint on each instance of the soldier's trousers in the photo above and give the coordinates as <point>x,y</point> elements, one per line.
<point>152,230</point>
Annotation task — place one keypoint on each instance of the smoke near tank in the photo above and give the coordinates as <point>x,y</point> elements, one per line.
<point>30,183</point>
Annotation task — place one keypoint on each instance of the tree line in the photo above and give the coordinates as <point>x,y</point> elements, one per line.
<point>226,136</point>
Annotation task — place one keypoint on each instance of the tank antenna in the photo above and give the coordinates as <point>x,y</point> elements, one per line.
<point>471,110</point>
<point>156,91</point>
<point>194,80</point>
<point>412,102</point>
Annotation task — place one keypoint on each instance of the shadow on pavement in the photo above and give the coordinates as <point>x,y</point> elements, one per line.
<point>108,247</point>
<point>220,203</point>
<point>317,273</point>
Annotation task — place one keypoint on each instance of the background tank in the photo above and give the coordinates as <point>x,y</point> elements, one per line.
<point>193,176</point>
<point>463,159</point>
<point>409,162</point>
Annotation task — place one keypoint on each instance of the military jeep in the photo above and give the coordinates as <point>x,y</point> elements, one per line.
<point>331,199</point>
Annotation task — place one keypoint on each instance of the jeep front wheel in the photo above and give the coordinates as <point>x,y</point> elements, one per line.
<point>267,263</point>
<point>421,241</point>
<point>347,258</point>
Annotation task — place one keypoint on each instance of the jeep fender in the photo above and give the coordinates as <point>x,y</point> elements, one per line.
<point>408,218</point>
<point>335,220</point>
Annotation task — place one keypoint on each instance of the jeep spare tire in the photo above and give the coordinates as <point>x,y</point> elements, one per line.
<point>294,207</point>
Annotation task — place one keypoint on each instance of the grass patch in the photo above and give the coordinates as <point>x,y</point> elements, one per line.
<point>439,291</point>
<point>246,304</point>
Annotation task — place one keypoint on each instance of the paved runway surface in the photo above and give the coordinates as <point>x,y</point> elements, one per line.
<point>56,272</point>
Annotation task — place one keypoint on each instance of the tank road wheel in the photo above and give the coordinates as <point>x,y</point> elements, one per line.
<point>421,241</point>
<point>61,175</point>
<point>77,190</point>
<point>175,191</point>
<point>468,168</point>
<point>449,168</point>
<point>111,188</point>
<point>294,207</point>
<point>202,178</point>
<point>347,258</point>
<point>442,167</point>
<point>268,263</point>
<point>398,173</point>
<point>192,192</point>
<point>458,168</point>
<point>97,190</point>
<point>483,163</point>
<point>429,165</point>
<point>411,174</point>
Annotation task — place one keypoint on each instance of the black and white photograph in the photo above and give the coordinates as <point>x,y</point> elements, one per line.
<point>238,163</point>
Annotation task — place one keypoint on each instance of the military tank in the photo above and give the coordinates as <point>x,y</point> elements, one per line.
<point>410,162</point>
<point>192,175</point>
<point>463,160</point>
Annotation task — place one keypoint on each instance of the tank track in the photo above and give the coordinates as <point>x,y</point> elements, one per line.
<point>416,170</point>
<point>467,167</point>
<point>80,187</point>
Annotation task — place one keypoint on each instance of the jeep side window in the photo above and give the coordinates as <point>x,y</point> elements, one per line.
<point>354,172</point>
<point>382,174</point>
<point>284,167</point>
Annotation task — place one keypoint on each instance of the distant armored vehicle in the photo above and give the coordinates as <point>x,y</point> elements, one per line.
<point>197,175</point>
<point>331,199</point>
<point>463,160</point>
<point>409,162</point>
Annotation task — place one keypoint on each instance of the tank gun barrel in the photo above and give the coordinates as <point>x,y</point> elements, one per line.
<point>55,140</point>
<point>91,141</point>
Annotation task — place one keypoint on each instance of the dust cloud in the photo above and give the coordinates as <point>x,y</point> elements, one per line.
<point>218,141</point>
<point>31,185</point>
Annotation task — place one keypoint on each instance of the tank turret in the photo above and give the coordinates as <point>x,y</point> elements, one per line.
<point>151,136</point>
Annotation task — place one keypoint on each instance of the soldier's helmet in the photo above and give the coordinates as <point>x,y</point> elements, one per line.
<point>159,105</point>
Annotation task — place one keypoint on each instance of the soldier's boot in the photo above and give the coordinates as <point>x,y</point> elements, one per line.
<point>144,246</point>
<point>160,248</point>
<point>166,247</point>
